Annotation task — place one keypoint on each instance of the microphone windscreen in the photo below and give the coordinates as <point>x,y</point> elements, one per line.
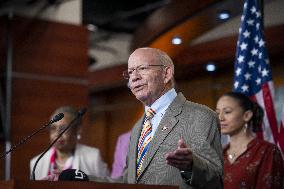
<point>73,175</point>
<point>57,117</point>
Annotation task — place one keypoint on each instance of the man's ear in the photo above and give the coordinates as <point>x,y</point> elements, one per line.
<point>168,74</point>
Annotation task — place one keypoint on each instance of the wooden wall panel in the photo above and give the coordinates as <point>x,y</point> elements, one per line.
<point>96,133</point>
<point>49,70</point>
<point>49,48</point>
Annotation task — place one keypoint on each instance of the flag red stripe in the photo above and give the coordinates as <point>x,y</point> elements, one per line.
<point>281,132</point>
<point>281,136</point>
<point>269,108</point>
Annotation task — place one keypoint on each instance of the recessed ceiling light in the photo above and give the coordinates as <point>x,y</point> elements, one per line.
<point>224,15</point>
<point>210,67</point>
<point>176,40</point>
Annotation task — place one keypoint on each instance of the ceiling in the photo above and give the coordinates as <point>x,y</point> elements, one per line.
<point>119,15</point>
<point>110,15</point>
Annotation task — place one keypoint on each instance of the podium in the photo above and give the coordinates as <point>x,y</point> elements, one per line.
<point>21,184</point>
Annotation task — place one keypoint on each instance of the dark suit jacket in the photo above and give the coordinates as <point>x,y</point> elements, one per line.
<point>199,128</point>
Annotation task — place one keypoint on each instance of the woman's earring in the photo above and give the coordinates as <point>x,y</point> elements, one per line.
<point>78,136</point>
<point>245,127</point>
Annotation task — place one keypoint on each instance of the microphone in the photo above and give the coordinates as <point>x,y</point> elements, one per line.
<point>24,140</point>
<point>73,175</point>
<point>79,115</point>
<point>57,117</point>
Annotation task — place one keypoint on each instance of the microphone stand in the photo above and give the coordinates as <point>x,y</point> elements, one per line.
<point>24,140</point>
<point>78,116</point>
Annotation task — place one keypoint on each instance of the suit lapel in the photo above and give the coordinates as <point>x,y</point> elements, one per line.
<point>166,125</point>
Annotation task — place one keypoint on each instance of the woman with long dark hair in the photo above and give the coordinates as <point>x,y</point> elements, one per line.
<point>249,162</point>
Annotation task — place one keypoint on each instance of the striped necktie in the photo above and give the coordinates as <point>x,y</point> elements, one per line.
<point>144,140</point>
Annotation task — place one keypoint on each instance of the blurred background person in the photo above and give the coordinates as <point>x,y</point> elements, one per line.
<point>120,155</point>
<point>67,153</point>
<point>249,162</point>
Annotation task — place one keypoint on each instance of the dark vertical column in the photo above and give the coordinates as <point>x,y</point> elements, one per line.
<point>7,125</point>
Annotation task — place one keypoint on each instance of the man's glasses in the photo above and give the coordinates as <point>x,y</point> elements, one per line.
<point>141,70</point>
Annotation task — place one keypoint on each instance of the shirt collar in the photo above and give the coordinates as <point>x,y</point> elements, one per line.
<point>163,102</point>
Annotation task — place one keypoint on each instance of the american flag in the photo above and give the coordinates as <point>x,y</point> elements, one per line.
<point>281,132</point>
<point>252,71</point>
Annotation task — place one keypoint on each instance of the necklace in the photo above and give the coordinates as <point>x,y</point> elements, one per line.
<point>231,156</point>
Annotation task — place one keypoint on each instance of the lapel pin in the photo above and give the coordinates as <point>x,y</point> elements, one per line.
<point>165,128</point>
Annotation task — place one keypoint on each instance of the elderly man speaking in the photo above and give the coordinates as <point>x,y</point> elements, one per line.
<point>176,142</point>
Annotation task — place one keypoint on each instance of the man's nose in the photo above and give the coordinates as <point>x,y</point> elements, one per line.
<point>134,76</point>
